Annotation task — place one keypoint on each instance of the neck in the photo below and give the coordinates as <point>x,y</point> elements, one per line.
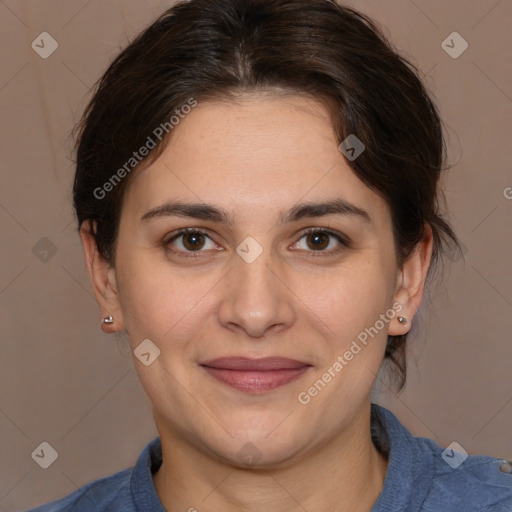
<point>344,474</point>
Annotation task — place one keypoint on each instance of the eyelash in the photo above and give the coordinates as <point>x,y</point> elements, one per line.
<point>195,254</point>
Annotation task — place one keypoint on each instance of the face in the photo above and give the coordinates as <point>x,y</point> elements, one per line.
<point>255,310</point>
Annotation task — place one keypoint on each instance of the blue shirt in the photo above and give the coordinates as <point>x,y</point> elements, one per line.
<point>418,479</point>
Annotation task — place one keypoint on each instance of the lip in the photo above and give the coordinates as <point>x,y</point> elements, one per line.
<point>255,375</point>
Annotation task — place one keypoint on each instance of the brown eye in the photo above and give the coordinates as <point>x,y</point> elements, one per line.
<point>323,241</point>
<point>189,241</point>
<point>193,241</point>
<point>318,241</point>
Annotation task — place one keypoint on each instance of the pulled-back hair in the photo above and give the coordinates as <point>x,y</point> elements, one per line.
<point>203,50</point>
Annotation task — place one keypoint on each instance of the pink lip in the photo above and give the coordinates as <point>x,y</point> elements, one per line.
<point>255,375</point>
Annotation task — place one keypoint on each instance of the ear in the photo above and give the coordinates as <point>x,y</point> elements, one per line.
<point>411,283</point>
<point>103,279</point>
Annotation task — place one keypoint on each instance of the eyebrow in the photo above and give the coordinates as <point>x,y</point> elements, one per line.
<point>299,211</point>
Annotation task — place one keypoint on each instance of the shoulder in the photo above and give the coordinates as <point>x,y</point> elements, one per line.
<point>467,482</point>
<point>423,476</point>
<point>109,494</point>
<point>129,490</point>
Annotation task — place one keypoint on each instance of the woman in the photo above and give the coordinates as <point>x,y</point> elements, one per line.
<point>257,196</point>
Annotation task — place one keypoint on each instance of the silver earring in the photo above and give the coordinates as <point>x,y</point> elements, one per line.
<point>402,320</point>
<point>108,320</point>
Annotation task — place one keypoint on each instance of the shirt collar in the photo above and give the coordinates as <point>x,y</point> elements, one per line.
<point>143,490</point>
<point>410,467</point>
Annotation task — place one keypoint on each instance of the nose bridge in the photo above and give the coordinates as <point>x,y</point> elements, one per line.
<point>256,299</point>
<point>255,282</point>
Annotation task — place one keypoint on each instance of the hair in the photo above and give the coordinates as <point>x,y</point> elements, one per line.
<point>201,50</point>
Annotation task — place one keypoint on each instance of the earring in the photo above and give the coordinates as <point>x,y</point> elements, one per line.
<point>108,320</point>
<point>402,320</point>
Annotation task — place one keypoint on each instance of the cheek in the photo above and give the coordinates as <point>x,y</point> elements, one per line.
<point>351,297</point>
<point>354,341</point>
<point>154,303</point>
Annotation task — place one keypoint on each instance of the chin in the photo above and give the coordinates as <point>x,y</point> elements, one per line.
<point>260,454</point>
<point>256,447</point>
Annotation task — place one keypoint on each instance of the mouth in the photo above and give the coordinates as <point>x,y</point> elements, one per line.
<point>255,375</point>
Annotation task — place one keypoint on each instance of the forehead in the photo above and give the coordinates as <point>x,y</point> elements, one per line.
<point>254,132</point>
<point>259,152</point>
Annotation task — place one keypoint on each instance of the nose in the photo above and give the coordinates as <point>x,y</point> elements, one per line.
<point>256,298</point>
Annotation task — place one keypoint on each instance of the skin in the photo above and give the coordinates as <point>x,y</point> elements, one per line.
<point>256,158</point>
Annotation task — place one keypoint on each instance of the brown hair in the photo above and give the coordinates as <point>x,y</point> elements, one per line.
<point>203,49</point>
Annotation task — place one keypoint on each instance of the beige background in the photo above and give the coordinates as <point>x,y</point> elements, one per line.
<point>64,382</point>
